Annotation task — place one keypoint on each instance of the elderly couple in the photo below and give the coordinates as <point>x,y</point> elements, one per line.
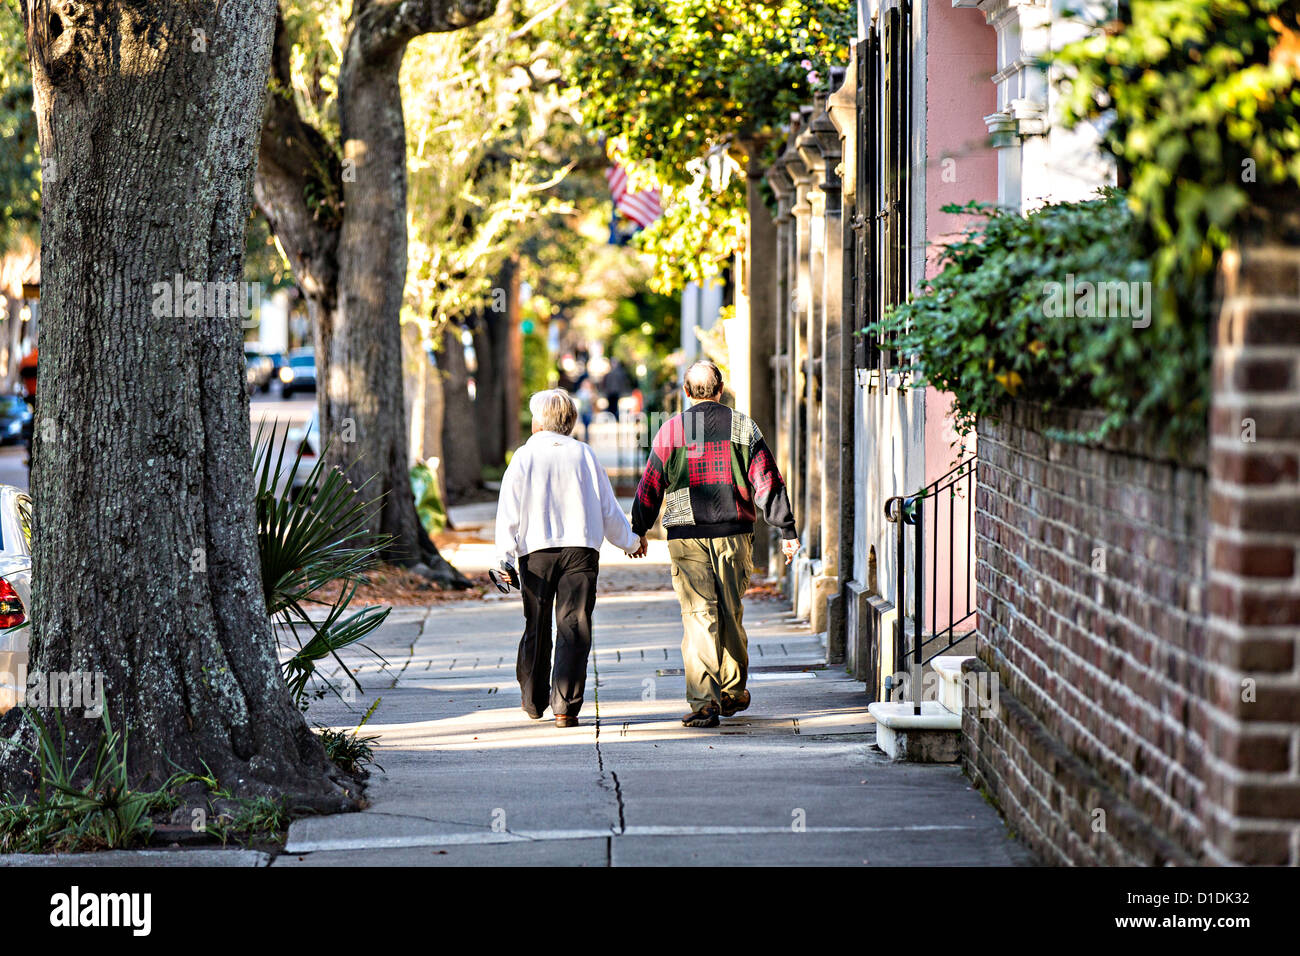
<point>710,470</point>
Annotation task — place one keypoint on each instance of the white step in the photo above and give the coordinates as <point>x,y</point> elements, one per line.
<point>932,736</point>
<point>951,688</point>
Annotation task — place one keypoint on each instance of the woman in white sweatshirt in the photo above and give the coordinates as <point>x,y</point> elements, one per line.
<point>556,506</point>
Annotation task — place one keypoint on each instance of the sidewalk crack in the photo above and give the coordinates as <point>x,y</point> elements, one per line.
<point>617,788</point>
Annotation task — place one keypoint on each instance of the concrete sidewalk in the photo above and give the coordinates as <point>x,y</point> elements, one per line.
<point>470,779</point>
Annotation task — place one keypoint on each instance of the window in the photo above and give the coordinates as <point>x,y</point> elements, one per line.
<point>884,150</point>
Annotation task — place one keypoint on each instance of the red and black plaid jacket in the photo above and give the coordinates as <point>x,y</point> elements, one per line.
<point>710,469</point>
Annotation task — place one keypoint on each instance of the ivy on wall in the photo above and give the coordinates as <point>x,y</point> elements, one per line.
<point>1054,308</point>
<point>1200,105</point>
<point>1105,304</point>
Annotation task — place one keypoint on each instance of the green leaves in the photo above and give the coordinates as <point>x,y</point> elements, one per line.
<point>20,164</point>
<point>1050,308</point>
<point>311,532</point>
<point>684,76</point>
<point>83,802</point>
<point>1202,115</point>
<point>677,79</point>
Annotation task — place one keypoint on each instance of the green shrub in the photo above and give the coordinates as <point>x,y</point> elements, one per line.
<point>1203,118</point>
<point>988,327</point>
<point>346,749</point>
<point>82,802</point>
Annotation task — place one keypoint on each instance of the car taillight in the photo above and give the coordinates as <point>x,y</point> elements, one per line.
<point>11,608</point>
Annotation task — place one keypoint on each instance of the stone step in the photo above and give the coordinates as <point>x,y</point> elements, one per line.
<point>951,688</point>
<point>933,736</point>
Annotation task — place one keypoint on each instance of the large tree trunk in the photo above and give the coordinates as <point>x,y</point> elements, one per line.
<point>423,396</point>
<point>362,368</point>
<point>489,386</point>
<point>348,250</point>
<point>462,468</point>
<point>145,560</point>
<point>498,348</point>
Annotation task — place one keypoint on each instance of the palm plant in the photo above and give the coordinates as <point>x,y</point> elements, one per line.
<point>311,533</point>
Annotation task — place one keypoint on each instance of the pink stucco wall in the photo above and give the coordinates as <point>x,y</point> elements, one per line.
<point>961,59</point>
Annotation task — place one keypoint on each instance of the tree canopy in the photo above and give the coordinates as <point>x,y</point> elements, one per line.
<point>1201,109</point>
<point>687,91</point>
<point>20,164</point>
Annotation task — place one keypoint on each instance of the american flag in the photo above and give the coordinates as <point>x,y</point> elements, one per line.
<point>642,208</point>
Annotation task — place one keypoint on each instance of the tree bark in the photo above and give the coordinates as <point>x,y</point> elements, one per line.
<point>462,468</point>
<point>343,226</point>
<point>498,347</point>
<point>145,560</point>
<point>489,386</point>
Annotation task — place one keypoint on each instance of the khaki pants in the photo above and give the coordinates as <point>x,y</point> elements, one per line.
<point>710,576</point>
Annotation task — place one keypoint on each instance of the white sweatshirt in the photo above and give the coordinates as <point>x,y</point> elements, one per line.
<point>555,494</point>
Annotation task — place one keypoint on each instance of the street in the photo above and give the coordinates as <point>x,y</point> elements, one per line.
<point>269,407</point>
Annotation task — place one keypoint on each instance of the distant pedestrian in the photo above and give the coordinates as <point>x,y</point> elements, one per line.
<point>586,407</point>
<point>711,471</point>
<point>556,506</point>
<point>617,382</point>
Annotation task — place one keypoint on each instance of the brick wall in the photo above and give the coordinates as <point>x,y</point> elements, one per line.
<point>1252,805</point>
<point>1092,579</point>
<point>1149,705</point>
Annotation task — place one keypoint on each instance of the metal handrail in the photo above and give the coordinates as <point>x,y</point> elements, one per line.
<point>904,511</point>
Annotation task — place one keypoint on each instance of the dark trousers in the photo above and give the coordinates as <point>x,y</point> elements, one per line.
<point>563,580</point>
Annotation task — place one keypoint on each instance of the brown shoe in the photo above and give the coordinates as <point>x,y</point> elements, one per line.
<point>732,705</point>
<point>706,716</point>
<point>564,720</point>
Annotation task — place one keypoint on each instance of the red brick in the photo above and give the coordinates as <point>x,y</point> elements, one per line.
<point>1273,655</point>
<point>1273,514</point>
<point>1247,468</point>
<point>1263,374</point>
<point>1255,560</point>
<point>1273,326</point>
<point>1258,609</point>
<point>1269,753</point>
<point>1274,801</point>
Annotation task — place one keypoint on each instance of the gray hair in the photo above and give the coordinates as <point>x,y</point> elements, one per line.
<point>703,380</point>
<point>554,410</point>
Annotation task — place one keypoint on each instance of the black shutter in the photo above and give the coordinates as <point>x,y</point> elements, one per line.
<point>884,89</point>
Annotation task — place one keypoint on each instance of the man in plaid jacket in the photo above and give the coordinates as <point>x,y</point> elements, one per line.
<point>711,472</point>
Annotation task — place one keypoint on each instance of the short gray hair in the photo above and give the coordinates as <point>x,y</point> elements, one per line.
<point>554,410</point>
<point>703,379</point>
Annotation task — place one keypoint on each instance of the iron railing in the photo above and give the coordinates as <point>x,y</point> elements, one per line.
<point>943,511</point>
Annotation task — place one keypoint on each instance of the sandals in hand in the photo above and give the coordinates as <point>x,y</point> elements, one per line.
<point>505,577</point>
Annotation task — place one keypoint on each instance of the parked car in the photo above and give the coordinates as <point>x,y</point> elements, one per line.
<point>15,419</point>
<point>300,374</point>
<point>15,590</point>
<point>307,437</point>
<point>278,361</point>
<point>260,369</point>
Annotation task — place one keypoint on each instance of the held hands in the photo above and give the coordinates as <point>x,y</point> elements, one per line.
<point>790,547</point>
<point>640,551</point>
